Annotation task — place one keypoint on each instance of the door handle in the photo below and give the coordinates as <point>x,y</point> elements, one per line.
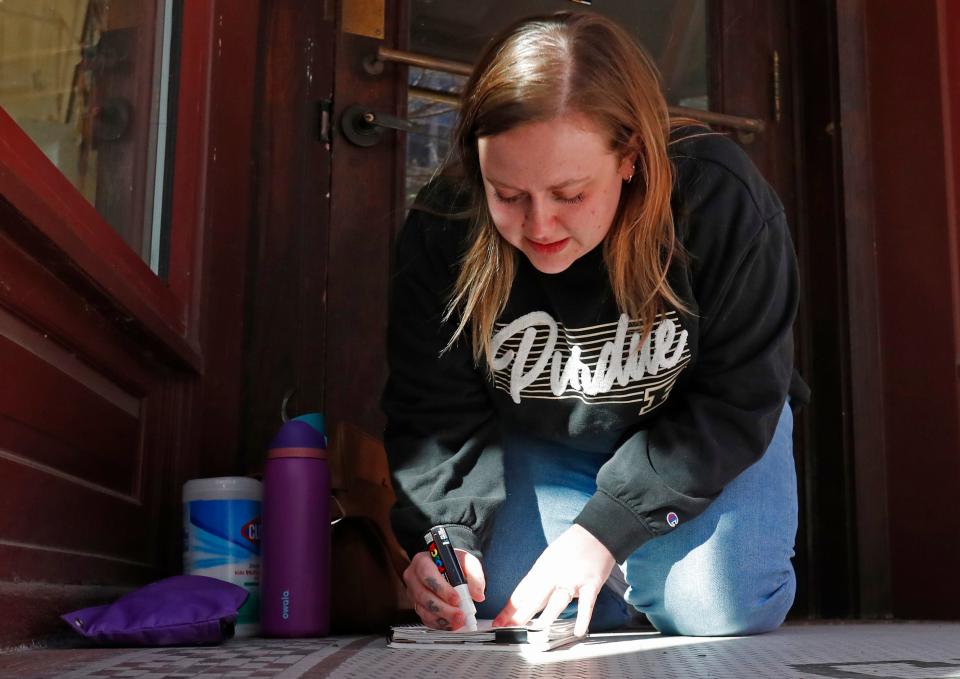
<point>364,127</point>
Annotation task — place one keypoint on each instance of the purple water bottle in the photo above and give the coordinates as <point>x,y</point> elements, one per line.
<point>295,545</point>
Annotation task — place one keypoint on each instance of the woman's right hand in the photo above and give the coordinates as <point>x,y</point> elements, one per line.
<point>434,600</point>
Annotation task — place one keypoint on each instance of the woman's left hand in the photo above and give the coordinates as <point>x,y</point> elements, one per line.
<point>575,565</point>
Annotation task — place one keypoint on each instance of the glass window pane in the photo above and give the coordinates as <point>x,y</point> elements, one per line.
<point>674,33</point>
<point>90,82</point>
<point>433,116</point>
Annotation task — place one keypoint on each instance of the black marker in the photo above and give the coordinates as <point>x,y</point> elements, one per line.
<point>441,551</point>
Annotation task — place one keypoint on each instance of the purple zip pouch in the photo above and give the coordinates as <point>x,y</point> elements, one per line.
<point>181,610</point>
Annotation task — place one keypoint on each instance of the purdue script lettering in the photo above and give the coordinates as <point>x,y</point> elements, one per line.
<point>662,350</point>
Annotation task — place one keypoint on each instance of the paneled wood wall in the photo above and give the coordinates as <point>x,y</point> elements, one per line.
<point>908,124</point>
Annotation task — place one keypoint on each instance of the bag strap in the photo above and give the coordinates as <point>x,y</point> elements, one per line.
<point>360,480</point>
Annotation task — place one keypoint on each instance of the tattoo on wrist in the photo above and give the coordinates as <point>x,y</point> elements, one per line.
<point>432,606</point>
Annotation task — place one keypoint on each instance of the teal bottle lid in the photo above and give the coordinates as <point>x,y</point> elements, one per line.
<point>315,420</point>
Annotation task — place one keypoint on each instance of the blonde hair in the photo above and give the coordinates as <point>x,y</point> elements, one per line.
<point>535,70</point>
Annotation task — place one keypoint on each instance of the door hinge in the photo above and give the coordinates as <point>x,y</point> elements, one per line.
<point>777,100</point>
<point>326,115</point>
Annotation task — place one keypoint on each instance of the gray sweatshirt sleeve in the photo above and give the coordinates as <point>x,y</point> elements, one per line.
<point>746,287</point>
<point>441,436</point>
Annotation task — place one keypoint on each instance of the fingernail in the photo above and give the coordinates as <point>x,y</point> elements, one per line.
<point>454,600</point>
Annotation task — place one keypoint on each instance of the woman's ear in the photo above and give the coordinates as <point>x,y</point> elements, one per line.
<point>628,162</point>
<point>628,167</point>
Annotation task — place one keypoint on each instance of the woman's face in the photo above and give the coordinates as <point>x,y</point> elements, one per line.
<point>552,188</point>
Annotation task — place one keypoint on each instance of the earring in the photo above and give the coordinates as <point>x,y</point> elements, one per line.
<point>633,171</point>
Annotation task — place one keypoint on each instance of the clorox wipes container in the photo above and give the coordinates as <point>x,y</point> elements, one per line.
<point>221,538</point>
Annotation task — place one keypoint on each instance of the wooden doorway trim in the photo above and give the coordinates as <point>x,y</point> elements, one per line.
<point>903,271</point>
<point>122,387</point>
<point>866,371</point>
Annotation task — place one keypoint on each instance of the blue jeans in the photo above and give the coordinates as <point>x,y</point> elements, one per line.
<point>726,572</point>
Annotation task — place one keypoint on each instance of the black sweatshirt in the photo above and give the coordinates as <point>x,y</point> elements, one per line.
<point>707,387</point>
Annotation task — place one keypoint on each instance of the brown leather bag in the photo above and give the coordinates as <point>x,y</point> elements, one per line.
<point>367,560</point>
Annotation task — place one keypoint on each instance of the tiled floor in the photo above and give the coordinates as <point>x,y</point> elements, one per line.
<point>874,650</point>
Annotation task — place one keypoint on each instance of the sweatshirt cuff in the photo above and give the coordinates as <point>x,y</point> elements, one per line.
<point>613,524</point>
<point>463,538</point>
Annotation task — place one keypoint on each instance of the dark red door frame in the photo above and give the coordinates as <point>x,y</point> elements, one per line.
<point>75,236</point>
<point>866,370</point>
<point>826,545</point>
<point>78,237</point>
<point>89,312</point>
<point>899,98</point>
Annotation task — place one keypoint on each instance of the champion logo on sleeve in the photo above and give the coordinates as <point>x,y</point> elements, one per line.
<point>673,519</point>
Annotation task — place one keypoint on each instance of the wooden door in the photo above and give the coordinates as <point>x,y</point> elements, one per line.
<point>111,396</point>
<point>777,61</point>
<point>320,270</point>
<point>326,214</point>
